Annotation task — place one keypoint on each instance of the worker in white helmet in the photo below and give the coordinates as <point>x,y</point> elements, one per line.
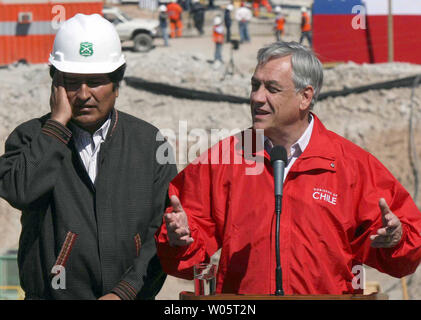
<point>86,178</point>
<point>279,23</point>
<point>218,39</point>
<point>163,23</point>
<point>243,15</point>
<point>305,27</point>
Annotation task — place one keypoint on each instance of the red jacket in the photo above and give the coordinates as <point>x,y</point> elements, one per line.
<point>329,210</point>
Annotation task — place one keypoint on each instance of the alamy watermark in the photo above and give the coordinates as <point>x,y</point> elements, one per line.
<point>205,147</point>
<point>358,281</point>
<point>59,279</point>
<point>59,16</point>
<point>359,21</point>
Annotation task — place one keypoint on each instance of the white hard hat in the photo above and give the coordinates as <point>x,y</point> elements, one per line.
<point>162,8</point>
<point>217,20</point>
<point>278,9</point>
<point>230,7</point>
<point>87,44</point>
<point>303,9</point>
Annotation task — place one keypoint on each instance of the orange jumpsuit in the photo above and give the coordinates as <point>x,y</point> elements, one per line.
<point>174,15</point>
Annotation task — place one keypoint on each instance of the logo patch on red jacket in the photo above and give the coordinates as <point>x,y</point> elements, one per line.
<point>322,194</point>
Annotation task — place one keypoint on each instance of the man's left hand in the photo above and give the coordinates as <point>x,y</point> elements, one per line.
<point>391,233</point>
<point>110,296</point>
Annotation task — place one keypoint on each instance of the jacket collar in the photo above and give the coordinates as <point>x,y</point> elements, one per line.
<point>320,144</point>
<point>319,153</point>
<point>112,126</point>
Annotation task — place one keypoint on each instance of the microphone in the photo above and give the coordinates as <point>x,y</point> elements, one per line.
<point>278,159</point>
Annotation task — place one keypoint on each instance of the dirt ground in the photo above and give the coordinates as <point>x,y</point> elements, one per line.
<point>376,120</point>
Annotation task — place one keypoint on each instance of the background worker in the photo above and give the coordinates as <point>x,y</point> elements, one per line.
<point>258,3</point>
<point>197,10</point>
<point>228,21</point>
<point>174,11</point>
<point>163,23</point>
<point>305,26</point>
<point>218,38</point>
<point>243,15</point>
<point>341,208</point>
<point>86,178</point>
<point>279,23</point>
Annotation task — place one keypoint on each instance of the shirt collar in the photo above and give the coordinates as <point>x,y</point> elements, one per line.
<point>79,132</point>
<point>299,146</point>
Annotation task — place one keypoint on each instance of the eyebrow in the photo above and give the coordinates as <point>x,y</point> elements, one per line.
<point>267,82</point>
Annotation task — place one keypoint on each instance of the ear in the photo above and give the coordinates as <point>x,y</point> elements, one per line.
<point>116,92</point>
<point>306,96</point>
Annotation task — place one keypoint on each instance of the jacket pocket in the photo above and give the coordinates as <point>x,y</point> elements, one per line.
<point>66,249</point>
<point>138,244</point>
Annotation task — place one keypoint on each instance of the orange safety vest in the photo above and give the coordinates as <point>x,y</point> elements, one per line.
<point>217,36</point>
<point>307,25</point>
<point>174,11</point>
<point>280,23</point>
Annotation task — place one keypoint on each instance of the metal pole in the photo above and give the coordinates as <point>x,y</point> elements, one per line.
<point>390,32</point>
<point>404,289</point>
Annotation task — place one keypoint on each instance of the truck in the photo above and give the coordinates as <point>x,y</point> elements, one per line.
<point>140,31</point>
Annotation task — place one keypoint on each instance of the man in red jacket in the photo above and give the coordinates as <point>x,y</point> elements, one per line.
<point>341,207</point>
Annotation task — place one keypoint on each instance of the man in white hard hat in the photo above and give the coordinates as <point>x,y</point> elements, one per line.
<point>243,15</point>
<point>305,26</point>
<point>279,23</point>
<point>163,23</point>
<point>86,178</point>
<point>218,39</point>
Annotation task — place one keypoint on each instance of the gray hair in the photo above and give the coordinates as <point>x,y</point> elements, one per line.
<point>307,70</point>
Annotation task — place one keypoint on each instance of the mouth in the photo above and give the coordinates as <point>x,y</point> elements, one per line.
<point>260,113</point>
<point>85,108</point>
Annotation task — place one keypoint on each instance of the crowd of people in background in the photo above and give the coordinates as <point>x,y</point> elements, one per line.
<point>170,13</point>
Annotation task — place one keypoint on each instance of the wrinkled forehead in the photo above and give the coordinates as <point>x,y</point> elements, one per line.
<point>276,67</point>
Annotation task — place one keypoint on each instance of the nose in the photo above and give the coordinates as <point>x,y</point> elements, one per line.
<point>258,96</point>
<point>83,93</point>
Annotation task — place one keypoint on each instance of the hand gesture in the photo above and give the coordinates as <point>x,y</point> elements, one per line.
<point>61,110</point>
<point>391,232</point>
<point>177,225</point>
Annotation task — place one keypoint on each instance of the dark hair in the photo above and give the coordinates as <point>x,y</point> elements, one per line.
<point>116,76</point>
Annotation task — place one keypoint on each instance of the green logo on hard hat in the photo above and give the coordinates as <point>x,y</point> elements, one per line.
<point>86,49</point>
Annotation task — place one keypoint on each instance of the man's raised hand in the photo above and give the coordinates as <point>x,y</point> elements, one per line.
<point>391,232</point>
<point>177,225</point>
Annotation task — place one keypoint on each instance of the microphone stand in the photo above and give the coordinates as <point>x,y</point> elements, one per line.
<point>278,159</point>
<point>278,208</point>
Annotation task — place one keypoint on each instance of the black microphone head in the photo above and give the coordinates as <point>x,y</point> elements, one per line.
<point>278,153</point>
